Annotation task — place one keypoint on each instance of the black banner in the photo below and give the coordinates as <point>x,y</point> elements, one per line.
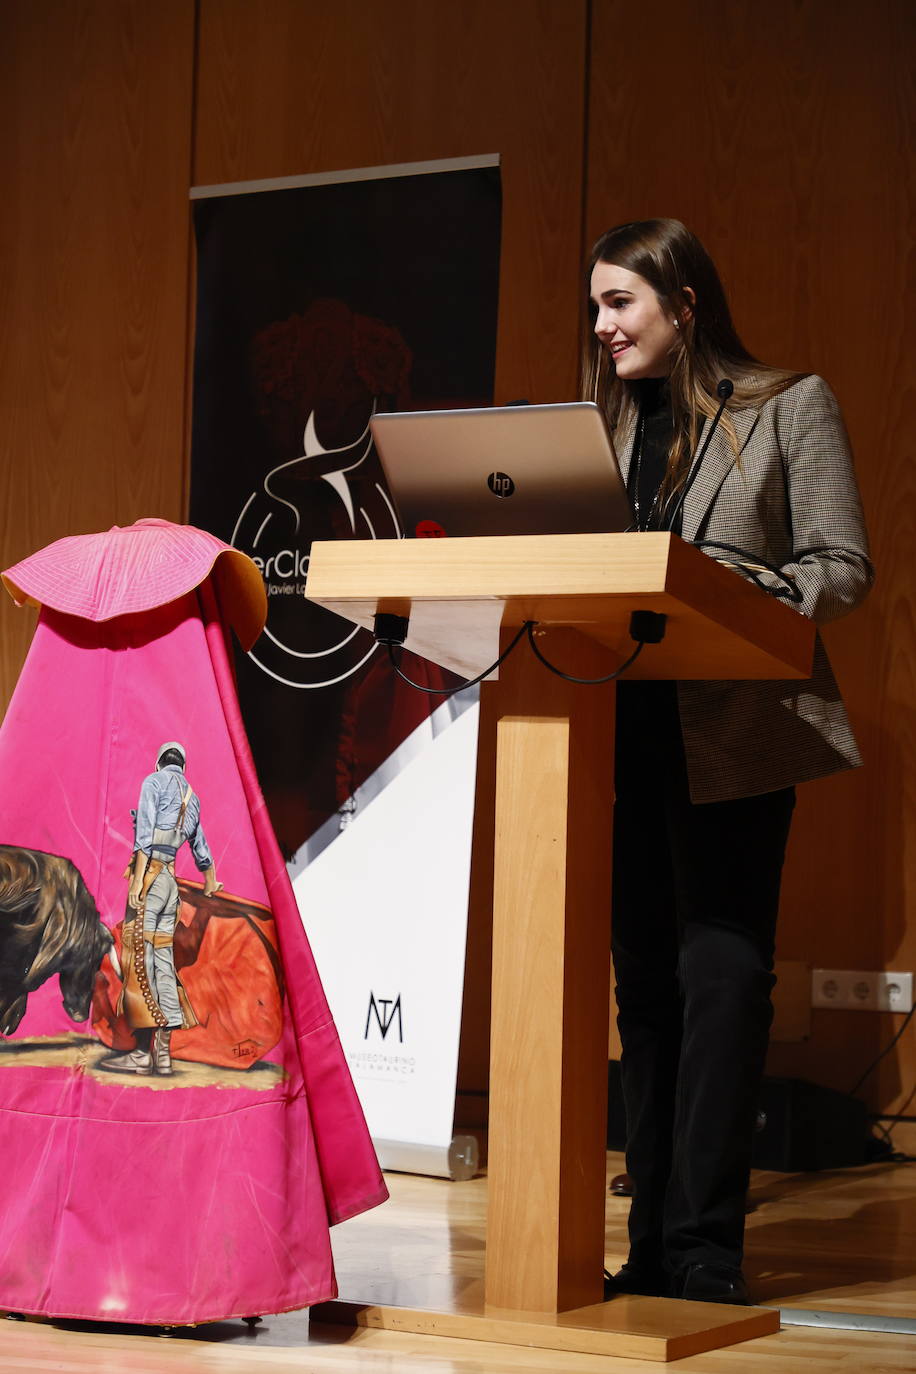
<point>317,304</point>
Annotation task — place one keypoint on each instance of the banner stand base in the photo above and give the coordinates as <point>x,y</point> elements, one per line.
<point>458,1160</point>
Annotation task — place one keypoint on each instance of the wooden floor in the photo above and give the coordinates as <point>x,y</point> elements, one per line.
<point>836,1242</point>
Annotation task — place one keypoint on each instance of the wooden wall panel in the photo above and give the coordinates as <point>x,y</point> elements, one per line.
<point>95,107</point>
<point>784,136</point>
<point>302,86</point>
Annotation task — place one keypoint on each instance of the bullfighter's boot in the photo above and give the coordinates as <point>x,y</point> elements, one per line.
<point>162,1059</point>
<point>139,1060</point>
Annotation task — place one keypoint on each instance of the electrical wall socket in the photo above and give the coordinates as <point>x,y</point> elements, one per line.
<point>855,990</point>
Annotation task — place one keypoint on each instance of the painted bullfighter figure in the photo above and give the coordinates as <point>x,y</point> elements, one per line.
<point>153,1000</point>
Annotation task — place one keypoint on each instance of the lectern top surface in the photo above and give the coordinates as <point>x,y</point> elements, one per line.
<point>545,469</point>
<point>457,590</point>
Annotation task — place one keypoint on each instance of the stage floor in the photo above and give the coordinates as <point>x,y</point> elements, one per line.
<point>834,1243</point>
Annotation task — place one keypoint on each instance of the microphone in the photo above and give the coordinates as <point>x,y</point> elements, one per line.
<point>724,390</point>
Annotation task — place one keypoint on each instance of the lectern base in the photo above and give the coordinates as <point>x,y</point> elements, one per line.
<point>658,1329</point>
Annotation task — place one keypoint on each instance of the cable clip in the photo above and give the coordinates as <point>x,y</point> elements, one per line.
<point>390,629</point>
<point>648,627</point>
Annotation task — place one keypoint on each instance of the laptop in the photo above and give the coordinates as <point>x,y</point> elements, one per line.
<point>523,469</point>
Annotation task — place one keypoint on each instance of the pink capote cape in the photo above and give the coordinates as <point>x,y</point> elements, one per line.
<point>207,1194</point>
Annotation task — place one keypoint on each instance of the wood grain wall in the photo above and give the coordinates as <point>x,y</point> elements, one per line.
<point>95,108</point>
<point>361,84</point>
<point>303,86</point>
<point>783,134</point>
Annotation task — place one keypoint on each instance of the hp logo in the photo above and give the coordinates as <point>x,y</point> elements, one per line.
<point>501,484</point>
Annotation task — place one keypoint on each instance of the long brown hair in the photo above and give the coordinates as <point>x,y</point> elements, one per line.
<point>705,350</point>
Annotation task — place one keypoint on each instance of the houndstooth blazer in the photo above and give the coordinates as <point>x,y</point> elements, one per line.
<point>793,501</point>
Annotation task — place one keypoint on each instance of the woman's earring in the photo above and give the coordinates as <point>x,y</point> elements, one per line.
<point>677,324</point>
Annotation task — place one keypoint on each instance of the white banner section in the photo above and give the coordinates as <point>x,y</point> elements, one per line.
<point>385,907</point>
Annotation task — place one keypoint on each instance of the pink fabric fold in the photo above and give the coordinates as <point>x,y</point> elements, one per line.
<point>123,571</point>
<point>207,1193</point>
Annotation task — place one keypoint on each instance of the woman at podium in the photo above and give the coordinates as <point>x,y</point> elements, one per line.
<point>751,463</point>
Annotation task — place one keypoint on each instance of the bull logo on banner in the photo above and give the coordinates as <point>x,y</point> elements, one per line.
<point>324,492</point>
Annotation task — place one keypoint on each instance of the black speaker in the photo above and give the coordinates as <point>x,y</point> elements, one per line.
<point>808,1127</point>
<point>805,1127</point>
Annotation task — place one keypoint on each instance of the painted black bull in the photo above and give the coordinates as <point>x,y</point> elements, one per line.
<point>48,924</point>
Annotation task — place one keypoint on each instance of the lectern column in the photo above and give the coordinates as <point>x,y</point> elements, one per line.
<point>551,957</point>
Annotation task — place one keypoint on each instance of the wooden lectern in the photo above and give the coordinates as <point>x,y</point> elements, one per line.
<point>552,884</point>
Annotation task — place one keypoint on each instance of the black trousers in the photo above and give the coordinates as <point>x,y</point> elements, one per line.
<point>696,891</point>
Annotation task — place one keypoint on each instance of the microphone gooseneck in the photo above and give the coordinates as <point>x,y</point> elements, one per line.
<point>724,390</point>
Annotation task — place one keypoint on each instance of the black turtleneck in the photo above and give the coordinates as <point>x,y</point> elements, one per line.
<point>651,445</point>
<point>648,728</point>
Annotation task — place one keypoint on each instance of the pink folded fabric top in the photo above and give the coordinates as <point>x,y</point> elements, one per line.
<point>123,571</point>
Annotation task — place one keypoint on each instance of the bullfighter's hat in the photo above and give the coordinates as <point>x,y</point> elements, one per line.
<point>171,744</point>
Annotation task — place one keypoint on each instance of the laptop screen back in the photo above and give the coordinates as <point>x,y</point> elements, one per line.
<point>544,469</point>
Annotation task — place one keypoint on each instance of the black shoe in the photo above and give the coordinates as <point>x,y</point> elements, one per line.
<point>644,1280</point>
<point>712,1283</point>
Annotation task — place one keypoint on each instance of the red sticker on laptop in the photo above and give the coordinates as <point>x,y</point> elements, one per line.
<point>429,529</point>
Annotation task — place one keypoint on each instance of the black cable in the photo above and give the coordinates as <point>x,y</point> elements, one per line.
<point>898,1156</point>
<point>901,1115</point>
<point>462,686</point>
<point>646,627</point>
<point>885,1139</point>
<point>894,1155</point>
<point>583,681</point>
<point>887,1049</point>
<point>724,391</point>
<point>791,592</point>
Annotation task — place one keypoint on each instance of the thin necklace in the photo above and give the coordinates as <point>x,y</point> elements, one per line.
<point>640,431</point>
